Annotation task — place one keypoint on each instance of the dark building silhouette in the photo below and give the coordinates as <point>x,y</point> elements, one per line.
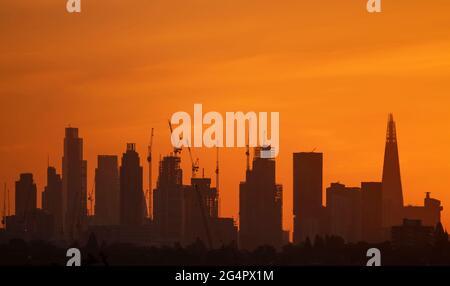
<point>29,222</point>
<point>260,205</point>
<point>201,216</point>
<point>35,225</point>
<point>168,200</point>
<point>26,195</point>
<point>308,209</point>
<point>223,231</point>
<point>429,214</point>
<point>371,212</point>
<point>52,200</point>
<point>344,206</point>
<point>107,191</point>
<point>74,170</point>
<point>392,196</point>
<point>200,207</point>
<point>132,202</point>
<point>411,234</point>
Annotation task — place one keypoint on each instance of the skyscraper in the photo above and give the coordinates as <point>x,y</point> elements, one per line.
<point>132,202</point>
<point>25,195</point>
<point>168,199</point>
<point>308,209</point>
<point>371,211</point>
<point>29,222</point>
<point>260,205</point>
<point>74,185</point>
<point>52,200</point>
<point>392,196</point>
<point>107,191</point>
<point>201,208</point>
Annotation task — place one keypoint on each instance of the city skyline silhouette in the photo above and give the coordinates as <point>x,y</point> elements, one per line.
<point>186,212</point>
<point>87,160</point>
<point>186,220</point>
<point>332,76</point>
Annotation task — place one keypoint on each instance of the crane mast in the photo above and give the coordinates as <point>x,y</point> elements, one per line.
<point>195,164</point>
<point>91,200</point>
<point>4,207</point>
<point>149,190</point>
<point>176,150</point>
<point>217,179</point>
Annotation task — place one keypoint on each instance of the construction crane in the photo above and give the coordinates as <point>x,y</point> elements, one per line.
<point>176,150</point>
<point>217,179</point>
<point>195,164</point>
<point>247,154</point>
<point>149,190</point>
<point>8,202</point>
<point>4,208</point>
<point>195,167</point>
<point>91,200</point>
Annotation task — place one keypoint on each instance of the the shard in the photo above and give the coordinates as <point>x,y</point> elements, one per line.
<point>392,196</point>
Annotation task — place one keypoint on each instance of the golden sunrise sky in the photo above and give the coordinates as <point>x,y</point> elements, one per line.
<point>331,69</point>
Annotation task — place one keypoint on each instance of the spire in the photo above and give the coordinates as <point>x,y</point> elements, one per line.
<point>391,136</point>
<point>392,194</point>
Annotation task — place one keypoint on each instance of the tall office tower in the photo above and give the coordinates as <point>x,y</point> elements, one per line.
<point>308,209</point>
<point>201,207</point>
<point>168,200</point>
<point>52,200</point>
<point>25,195</point>
<point>345,212</point>
<point>107,191</point>
<point>260,205</point>
<point>132,202</point>
<point>74,170</point>
<point>392,197</point>
<point>371,212</point>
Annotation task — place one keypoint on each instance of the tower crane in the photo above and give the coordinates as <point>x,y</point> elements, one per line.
<point>195,167</point>
<point>4,207</point>
<point>91,200</point>
<point>149,190</point>
<point>176,150</point>
<point>8,203</point>
<point>217,179</point>
<point>247,151</point>
<point>195,164</point>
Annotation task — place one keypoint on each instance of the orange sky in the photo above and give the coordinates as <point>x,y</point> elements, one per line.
<point>332,70</point>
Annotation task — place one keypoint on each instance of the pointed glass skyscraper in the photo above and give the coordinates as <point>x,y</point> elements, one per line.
<point>392,196</point>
